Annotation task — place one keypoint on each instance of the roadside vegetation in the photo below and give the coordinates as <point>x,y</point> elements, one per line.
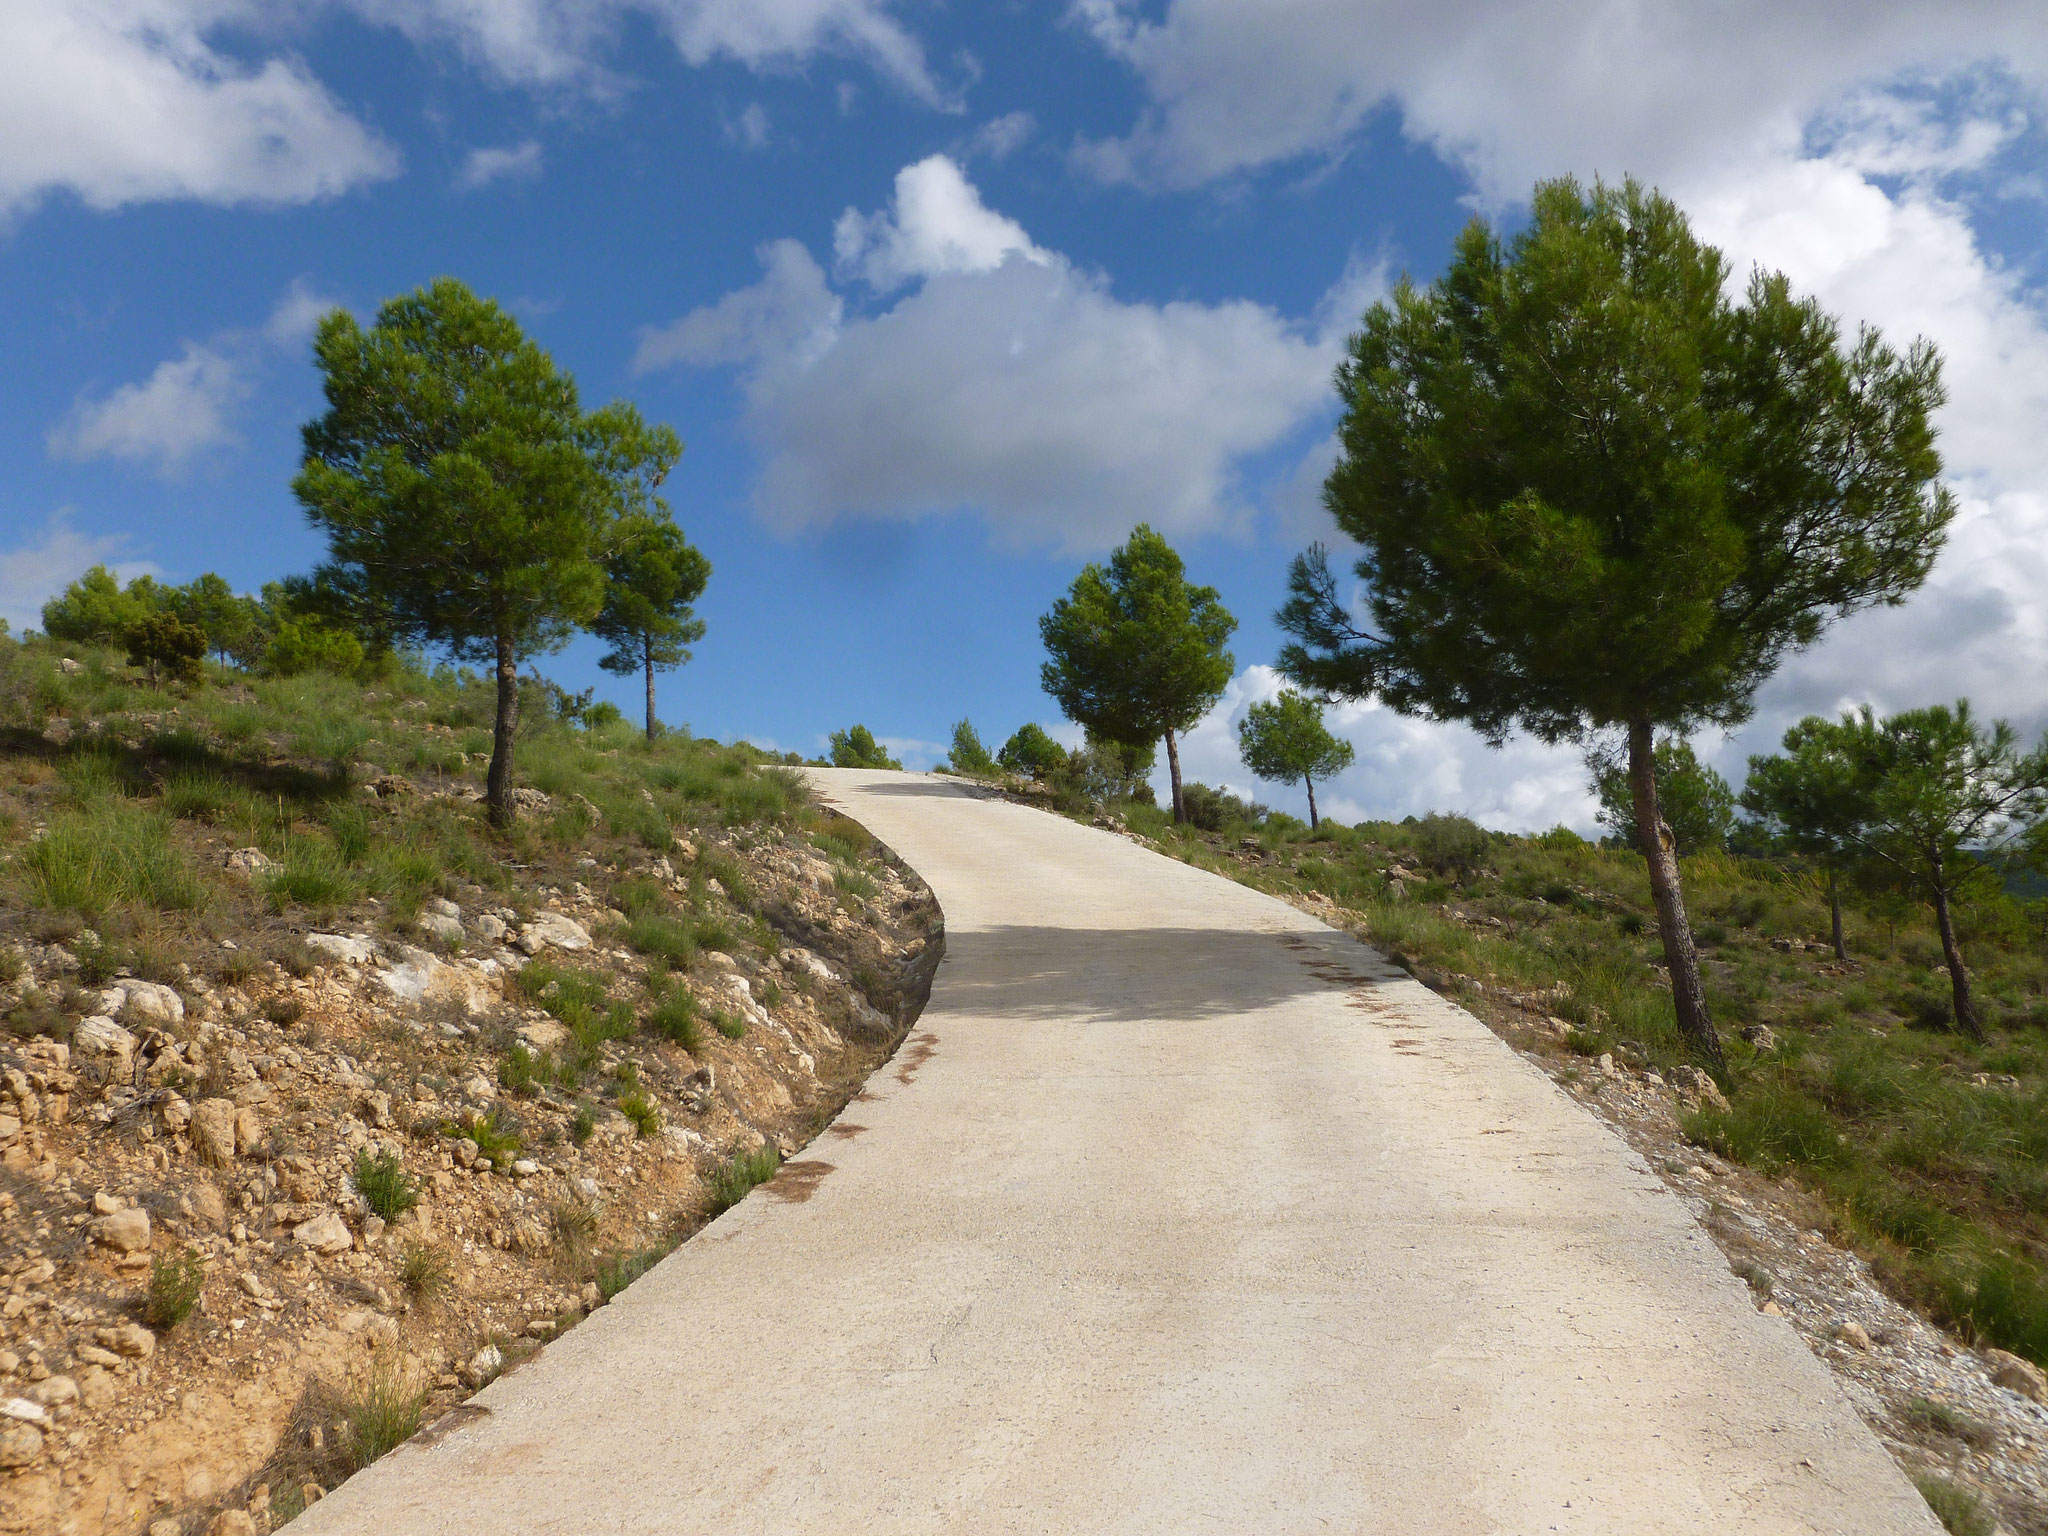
<point>354,799</point>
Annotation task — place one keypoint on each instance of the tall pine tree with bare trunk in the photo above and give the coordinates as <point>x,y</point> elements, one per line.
<point>465,494</point>
<point>1136,651</point>
<point>653,578</point>
<point>1594,491</point>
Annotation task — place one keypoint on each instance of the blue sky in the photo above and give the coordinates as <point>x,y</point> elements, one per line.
<point>944,297</point>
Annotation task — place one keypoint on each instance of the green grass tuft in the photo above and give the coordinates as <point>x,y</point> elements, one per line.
<point>175,1281</point>
<point>728,1184</point>
<point>675,1019</point>
<point>380,1178</point>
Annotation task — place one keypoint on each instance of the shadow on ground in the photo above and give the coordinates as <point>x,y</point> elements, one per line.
<point>925,787</point>
<point>1146,973</point>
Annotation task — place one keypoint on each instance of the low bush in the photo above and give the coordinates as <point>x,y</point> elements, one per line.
<point>675,1019</point>
<point>90,862</point>
<point>424,1270</point>
<point>175,1281</point>
<point>642,1112</point>
<point>1960,1511</point>
<point>728,1184</point>
<point>616,1271</point>
<point>381,1413</point>
<point>380,1178</point>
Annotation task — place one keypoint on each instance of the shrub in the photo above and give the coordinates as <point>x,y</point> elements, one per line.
<point>1928,1010</point>
<point>90,861</point>
<point>642,1111</point>
<point>857,748</point>
<point>1032,752</point>
<point>197,794</point>
<point>295,957</point>
<point>311,874</point>
<point>2004,1301</point>
<point>616,1271</point>
<point>523,1072</point>
<point>730,1025</point>
<point>284,1010</point>
<point>584,1126</point>
<point>662,938</point>
<point>305,645</point>
<point>574,1224</point>
<point>728,1184</point>
<point>1450,845</point>
<point>381,1415</point>
<point>167,646</point>
<point>175,1281</point>
<point>496,1134</point>
<point>1213,809</point>
<point>380,1178</point>
<point>1960,1511</point>
<point>1769,1126</point>
<point>1925,1413</point>
<point>675,1019</point>
<point>424,1271</point>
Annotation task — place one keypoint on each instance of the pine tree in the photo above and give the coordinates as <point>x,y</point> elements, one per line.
<point>1594,491</point>
<point>465,494</point>
<point>1136,651</point>
<point>1286,741</point>
<point>653,577</point>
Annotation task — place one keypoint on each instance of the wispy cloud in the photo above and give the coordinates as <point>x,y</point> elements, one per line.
<point>482,167</point>
<point>36,570</point>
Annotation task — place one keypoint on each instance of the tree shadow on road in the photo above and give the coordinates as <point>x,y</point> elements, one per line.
<point>927,787</point>
<point>1147,973</point>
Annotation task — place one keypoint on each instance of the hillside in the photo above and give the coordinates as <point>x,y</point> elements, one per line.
<point>324,1101</point>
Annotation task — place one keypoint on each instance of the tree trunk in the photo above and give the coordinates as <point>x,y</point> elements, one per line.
<point>1311,783</point>
<point>648,652</point>
<point>1958,975</point>
<point>1835,919</point>
<point>1660,852</point>
<point>498,785</point>
<point>1173,772</point>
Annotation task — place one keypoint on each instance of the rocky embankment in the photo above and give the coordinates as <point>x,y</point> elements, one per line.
<point>231,1133</point>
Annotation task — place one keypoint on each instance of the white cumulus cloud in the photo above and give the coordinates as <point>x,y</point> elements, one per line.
<point>751,129</point>
<point>37,569</point>
<point>1001,137</point>
<point>130,101</point>
<point>301,308</point>
<point>185,407</point>
<point>568,43</point>
<point>1511,91</point>
<point>126,101</point>
<point>1404,767</point>
<point>1005,380</point>
<point>937,224</point>
<point>516,162</point>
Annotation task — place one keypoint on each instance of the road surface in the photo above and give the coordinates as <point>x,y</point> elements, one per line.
<point>1180,1212</point>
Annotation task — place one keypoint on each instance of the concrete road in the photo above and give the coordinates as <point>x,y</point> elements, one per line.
<point>1179,1212</point>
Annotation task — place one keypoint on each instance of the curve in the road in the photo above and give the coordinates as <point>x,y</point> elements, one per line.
<point>1181,1212</point>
